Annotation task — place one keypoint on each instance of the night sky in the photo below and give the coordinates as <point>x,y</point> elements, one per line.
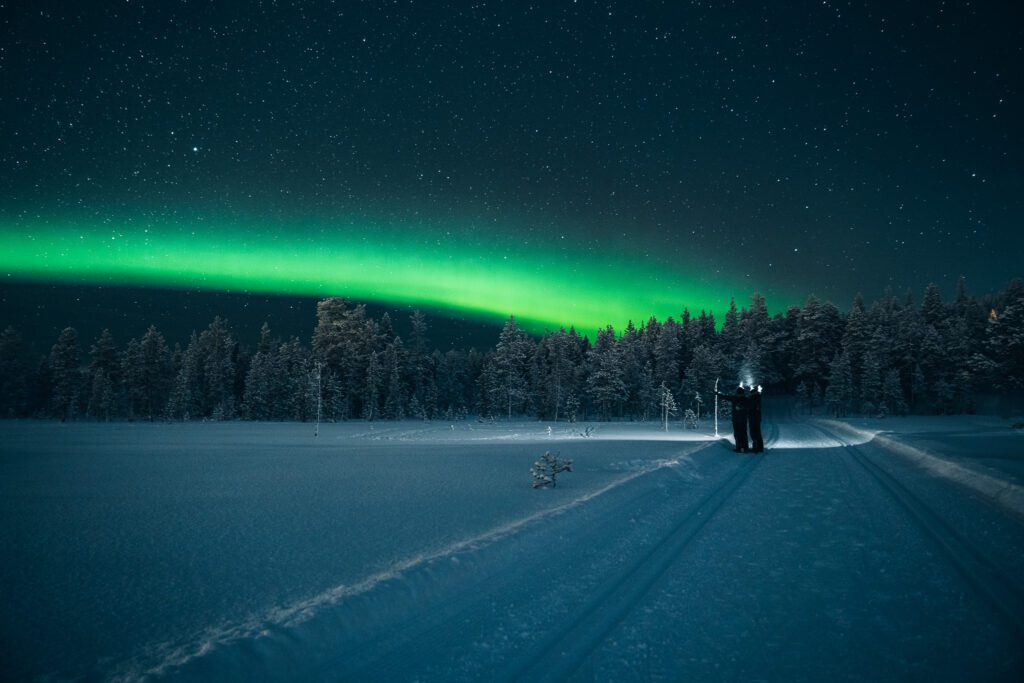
<point>568,162</point>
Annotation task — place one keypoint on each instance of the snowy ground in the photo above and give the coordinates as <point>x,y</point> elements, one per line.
<point>419,551</point>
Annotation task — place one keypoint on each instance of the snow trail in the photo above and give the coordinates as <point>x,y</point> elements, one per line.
<point>990,581</point>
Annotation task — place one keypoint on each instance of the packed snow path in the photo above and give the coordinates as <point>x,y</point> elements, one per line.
<point>826,558</point>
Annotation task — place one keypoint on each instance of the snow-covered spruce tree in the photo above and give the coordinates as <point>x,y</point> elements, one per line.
<point>839,395</point>
<point>819,333</point>
<point>1004,339</point>
<point>218,347</point>
<point>632,358</point>
<point>605,384</point>
<point>258,399</point>
<point>511,367</point>
<point>668,405</point>
<point>572,406</point>
<point>649,393</point>
<point>66,375</point>
<point>690,419</point>
<point>892,395</point>
<point>342,340</point>
<point>761,337</point>
<point>666,353</point>
<point>104,371</point>
<point>871,384</point>
<point>133,377</point>
<point>374,387</point>
<point>336,402</point>
<point>416,409</point>
<point>856,340</point>
<point>155,372</point>
<point>293,388</point>
<point>394,398</point>
<point>553,371</point>
<point>418,361</point>
<point>183,403</point>
<point>731,340</point>
<point>704,367</point>
<point>546,470</point>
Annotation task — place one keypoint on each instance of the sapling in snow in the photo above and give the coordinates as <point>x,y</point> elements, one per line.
<point>668,405</point>
<point>547,468</point>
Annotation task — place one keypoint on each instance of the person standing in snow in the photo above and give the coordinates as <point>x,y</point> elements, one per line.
<point>754,419</point>
<point>739,418</point>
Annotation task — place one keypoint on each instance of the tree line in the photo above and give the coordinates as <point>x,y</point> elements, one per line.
<point>892,357</point>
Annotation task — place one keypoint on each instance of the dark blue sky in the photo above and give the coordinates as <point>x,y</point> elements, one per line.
<point>830,147</point>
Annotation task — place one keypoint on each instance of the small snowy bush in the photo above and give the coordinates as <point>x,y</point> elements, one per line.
<point>547,468</point>
<point>690,419</point>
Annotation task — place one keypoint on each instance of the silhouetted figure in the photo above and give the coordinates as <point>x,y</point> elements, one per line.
<point>754,419</point>
<point>739,418</point>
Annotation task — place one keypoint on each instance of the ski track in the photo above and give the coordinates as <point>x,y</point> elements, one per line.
<point>985,577</point>
<point>563,652</point>
<point>567,642</point>
<point>164,658</point>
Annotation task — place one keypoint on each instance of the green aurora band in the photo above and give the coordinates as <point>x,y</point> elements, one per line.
<point>544,283</point>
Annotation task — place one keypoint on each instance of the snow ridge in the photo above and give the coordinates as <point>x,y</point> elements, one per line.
<point>1007,495</point>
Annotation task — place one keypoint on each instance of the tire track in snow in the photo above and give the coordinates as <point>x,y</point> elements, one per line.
<point>987,579</point>
<point>561,653</point>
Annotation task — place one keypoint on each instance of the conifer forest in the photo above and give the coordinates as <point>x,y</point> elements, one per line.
<point>893,356</point>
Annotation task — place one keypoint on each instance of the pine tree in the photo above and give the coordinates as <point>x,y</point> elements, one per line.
<point>374,387</point>
<point>572,406</point>
<point>394,401</point>
<point>632,362</point>
<point>293,397</point>
<point>605,384</point>
<point>258,399</point>
<point>932,309</point>
<point>66,376</point>
<point>511,357</point>
<point>562,369</point>
<point>701,373</point>
<point>839,394</point>
<point>666,353</point>
<point>155,359</point>
<point>183,402</point>
<point>649,393</point>
<point>417,356</point>
<point>818,336</point>
<point>1004,339</point>
<point>871,384</point>
<point>892,394</point>
<point>731,340</point>
<point>856,338</point>
<point>103,370</point>
<point>217,348</point>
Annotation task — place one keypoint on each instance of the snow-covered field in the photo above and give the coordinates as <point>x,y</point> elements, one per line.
<point>419,551</point>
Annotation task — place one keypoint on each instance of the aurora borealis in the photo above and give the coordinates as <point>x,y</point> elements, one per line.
<point>542,285</point>
<point>568,162</point>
